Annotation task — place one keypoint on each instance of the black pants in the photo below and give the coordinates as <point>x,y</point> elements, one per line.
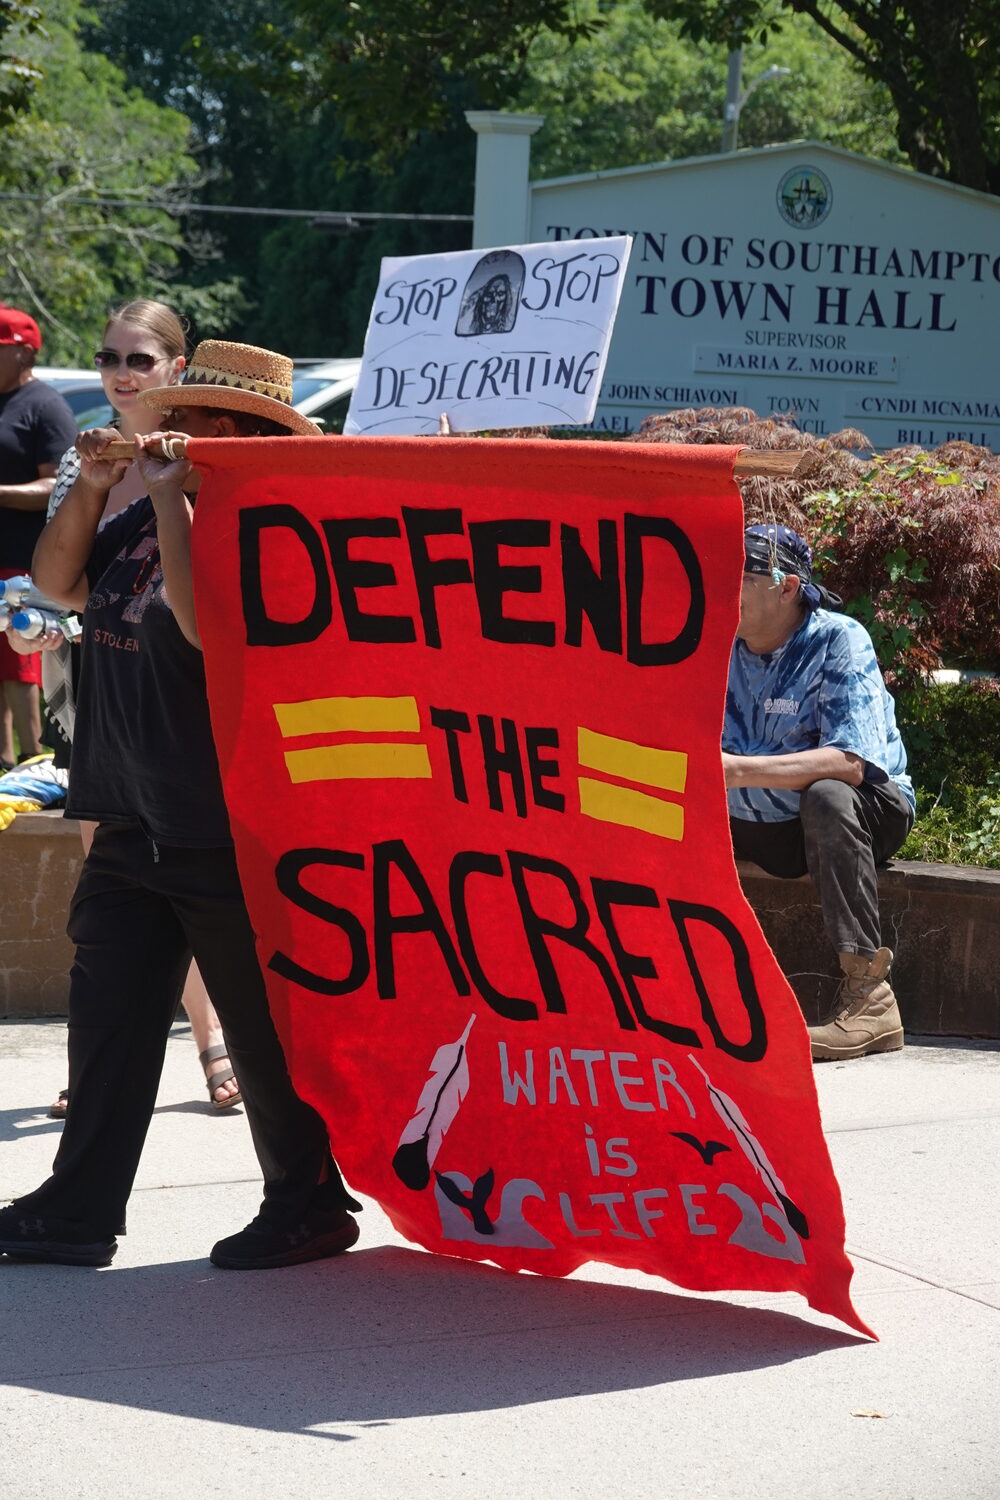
<point>841,834</point>
<point>138,915</point>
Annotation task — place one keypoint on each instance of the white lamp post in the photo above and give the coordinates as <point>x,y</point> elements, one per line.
<point>735,100</point>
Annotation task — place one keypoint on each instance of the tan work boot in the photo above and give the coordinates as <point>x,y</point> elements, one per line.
<point>867,1017</point>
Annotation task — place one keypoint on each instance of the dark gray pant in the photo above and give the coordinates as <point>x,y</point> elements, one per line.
<point>841,834</point>
<point>137,916</point>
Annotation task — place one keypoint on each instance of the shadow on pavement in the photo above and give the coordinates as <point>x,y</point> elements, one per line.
<point>15,1124</point>
<point>200,1107</point>
<point>377,1336</point>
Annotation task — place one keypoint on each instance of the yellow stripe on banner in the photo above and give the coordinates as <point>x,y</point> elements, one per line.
<point>666,769</point>
<point>348,716</point>
<point>629,809</point>
<point>373,762</point>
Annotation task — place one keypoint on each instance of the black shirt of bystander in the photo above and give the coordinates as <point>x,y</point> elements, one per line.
<point>142,749</point>
<point>36,427</point>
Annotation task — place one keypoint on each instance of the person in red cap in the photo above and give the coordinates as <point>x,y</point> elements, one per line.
<point>36,427</point>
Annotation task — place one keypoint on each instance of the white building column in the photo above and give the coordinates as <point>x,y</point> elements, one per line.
<point>503,153</point>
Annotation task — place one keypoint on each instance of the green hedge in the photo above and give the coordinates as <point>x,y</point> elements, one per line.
<point>952,737</point>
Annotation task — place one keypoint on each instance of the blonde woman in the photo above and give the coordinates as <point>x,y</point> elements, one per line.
<point>161,880</point>
<point>142,348</point>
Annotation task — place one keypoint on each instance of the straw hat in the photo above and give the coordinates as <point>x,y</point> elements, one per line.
<point>235,377</point>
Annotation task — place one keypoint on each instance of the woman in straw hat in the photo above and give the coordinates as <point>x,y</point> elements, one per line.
<point>160,882</point>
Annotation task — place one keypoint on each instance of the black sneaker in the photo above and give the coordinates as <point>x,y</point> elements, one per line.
<point>23,1236</point>
<point>261,1246</point>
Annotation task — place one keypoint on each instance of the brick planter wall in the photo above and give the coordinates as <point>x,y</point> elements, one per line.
<point>943,922</point>
<point>40,859</point>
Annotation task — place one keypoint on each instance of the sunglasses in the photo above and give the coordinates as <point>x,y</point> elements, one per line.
<point>107,359</point>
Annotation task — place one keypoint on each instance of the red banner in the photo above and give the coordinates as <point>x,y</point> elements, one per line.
<point>468,700</point>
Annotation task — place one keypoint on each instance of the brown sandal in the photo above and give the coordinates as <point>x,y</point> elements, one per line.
<point>215,1080</point>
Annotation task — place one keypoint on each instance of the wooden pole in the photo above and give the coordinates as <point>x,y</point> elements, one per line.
<point>751,463</point>
<point>777,463</point>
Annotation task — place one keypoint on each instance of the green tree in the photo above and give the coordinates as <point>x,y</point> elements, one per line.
<point>18,77</point>
<point>940,63</point>
<point>79,168</point>
<point>335,276</point>
<point>387,69</point>
<point>307,292</point>
<point>625,88</point>
<point>386,65</point>
<point>203,61</point>
<point>637,90</point>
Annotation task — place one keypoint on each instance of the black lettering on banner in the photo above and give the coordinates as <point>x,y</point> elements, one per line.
<point>454,723</point>
<point>462,866</point>
<point>597,595</point>
<point>387,856</point>
<point>493,580</point>
<point>505,761</point>
<point>632,966</point>
<point>685,643</point>
<point>351,574</point>
<point>537,928</point>
<point>286,875</point>
<point>686,912</point>
<point>432,574</point>
<point>540,770</point>
<point>261,630</point>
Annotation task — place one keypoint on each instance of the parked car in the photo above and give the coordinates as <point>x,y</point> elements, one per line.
<point>321,390</point>
<point>83,391</point>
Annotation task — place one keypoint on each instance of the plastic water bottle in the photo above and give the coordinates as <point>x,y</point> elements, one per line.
<point>14,591</point>
<point>21,593</point>
<point>32,623</point>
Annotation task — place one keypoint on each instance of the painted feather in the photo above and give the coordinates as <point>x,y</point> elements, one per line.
<point>732,1116</point>
<point>437,1107</point>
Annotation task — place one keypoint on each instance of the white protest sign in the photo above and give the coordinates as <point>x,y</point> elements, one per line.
<point>514,337</point>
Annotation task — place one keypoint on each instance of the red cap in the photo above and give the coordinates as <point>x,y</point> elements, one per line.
<point>17,328</point>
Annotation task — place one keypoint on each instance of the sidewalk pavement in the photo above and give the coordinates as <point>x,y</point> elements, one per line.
<point>393,1373</point>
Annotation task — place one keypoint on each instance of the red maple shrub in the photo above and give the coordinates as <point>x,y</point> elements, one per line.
<point>910,539</point>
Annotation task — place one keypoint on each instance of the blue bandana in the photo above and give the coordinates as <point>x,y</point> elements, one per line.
<point>778,549</point>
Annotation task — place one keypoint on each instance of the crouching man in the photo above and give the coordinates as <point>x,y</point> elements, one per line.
<point>816,772</point>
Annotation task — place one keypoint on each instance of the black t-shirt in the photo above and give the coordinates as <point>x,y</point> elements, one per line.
<point>142,746</point>
<point>36,427</point>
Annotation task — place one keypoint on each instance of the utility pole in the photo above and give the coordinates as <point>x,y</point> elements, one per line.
<point>737,96</point>
<point>731,113</point>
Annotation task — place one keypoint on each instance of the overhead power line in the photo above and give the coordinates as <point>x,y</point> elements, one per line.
<point>320,218</point>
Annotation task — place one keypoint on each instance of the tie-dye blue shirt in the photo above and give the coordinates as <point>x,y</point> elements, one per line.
<point>822,687</point>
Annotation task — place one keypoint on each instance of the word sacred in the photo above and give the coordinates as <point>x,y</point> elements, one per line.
<point>523,880</point>
<point>629,570</point>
